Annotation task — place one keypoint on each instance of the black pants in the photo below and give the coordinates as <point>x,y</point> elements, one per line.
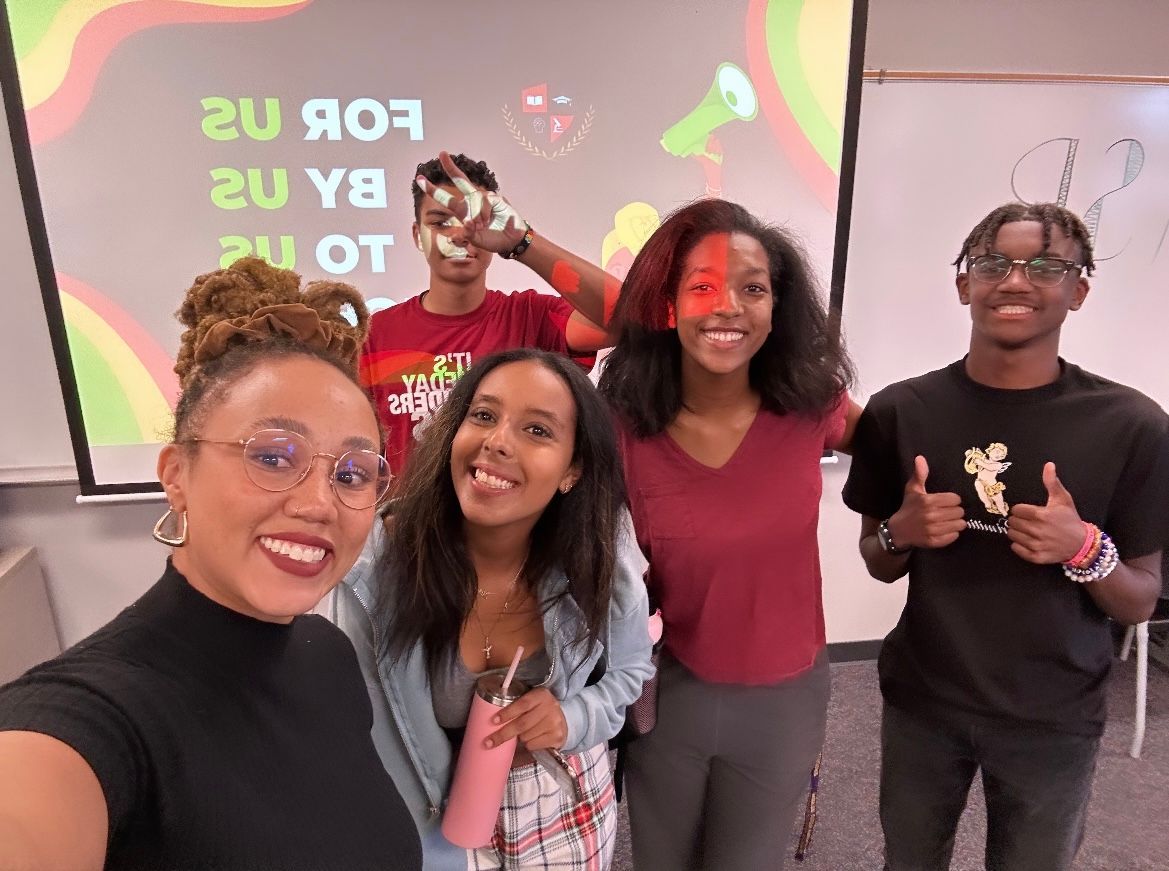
<point>1037,785</point>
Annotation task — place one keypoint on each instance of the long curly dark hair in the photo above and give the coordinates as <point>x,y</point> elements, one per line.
<point>434,581</point>
<point>802,365</point>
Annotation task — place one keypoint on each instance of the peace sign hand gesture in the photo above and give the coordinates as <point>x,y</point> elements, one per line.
<point>490,221</point>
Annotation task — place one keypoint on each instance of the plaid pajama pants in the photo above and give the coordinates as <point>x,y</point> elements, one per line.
<point>541,826</point>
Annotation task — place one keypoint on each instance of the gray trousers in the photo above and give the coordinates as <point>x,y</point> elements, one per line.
<point>719,781</point>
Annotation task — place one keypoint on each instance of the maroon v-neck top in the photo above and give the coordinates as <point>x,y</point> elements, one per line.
<point>734,559</point>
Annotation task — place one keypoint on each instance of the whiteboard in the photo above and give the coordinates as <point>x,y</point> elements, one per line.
<point>934,157</point>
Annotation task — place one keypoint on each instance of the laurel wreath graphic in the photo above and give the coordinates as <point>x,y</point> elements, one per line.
<point>532,148</point>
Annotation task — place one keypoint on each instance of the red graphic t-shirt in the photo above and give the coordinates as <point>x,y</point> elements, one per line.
<point>413,357</point>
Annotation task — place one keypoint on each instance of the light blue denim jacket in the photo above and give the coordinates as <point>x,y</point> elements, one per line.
<point>414,748</point>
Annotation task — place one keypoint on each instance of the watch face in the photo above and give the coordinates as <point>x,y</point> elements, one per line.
<point>883,538</point>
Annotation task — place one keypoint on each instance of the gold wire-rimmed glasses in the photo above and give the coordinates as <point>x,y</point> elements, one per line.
<point>278,459</point>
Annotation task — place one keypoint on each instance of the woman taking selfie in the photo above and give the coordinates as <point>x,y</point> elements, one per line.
<point>209,725</point>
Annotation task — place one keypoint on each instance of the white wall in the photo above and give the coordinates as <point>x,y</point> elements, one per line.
<point>1045,36</point>
<point>96,558</point>
<point>99,558</point>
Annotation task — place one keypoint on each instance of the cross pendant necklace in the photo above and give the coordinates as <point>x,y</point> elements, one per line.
<point>487,645</point>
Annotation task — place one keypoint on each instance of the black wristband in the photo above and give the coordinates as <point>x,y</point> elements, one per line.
<point>522,246</point>
<point>885,538</point>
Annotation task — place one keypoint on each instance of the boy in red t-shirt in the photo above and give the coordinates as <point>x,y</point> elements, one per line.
<point>418,349</point>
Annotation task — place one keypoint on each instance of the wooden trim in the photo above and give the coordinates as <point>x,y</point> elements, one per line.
<point>883,76</point>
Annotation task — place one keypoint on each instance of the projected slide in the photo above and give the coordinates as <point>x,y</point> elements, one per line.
<point>170,138</point>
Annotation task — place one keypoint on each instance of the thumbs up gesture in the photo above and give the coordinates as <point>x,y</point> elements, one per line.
<point>926,519</point>
<point>1050,533</point>
<point>921,471</point>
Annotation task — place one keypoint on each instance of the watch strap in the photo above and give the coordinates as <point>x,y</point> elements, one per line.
<point>522,245</point>
<point>886,539</point>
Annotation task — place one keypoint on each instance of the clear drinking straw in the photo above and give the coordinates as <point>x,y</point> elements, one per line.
<point>515,661</point>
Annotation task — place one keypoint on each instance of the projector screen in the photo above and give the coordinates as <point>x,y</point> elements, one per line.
<point>157,140</point>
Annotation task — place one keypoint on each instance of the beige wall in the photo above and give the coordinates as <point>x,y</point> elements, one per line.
<point>1119,37</point>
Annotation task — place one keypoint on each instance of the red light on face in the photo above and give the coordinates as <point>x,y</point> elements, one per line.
<point>703,287</point>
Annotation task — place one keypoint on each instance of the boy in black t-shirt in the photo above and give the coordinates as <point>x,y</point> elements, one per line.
<point>1024,498</point>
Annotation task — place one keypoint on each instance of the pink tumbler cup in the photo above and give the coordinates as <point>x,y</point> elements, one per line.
<point>481,773</point>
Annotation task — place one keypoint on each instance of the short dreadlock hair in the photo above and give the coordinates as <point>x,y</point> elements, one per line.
<point>1048,214</point>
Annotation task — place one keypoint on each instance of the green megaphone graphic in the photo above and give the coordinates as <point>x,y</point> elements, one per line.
<point>731,96</point>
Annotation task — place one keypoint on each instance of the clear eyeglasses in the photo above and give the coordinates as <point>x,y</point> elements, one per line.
<point>278,460</point>
<point>1040,271</point>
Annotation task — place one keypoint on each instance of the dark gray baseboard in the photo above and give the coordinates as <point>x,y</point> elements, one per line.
<point>854,651</point>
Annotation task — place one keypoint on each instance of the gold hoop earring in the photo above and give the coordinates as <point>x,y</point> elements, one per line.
<point>171,540</point>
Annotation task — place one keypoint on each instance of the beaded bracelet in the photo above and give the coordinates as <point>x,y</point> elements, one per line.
<point>522,245</point>
<point>1100,568</point>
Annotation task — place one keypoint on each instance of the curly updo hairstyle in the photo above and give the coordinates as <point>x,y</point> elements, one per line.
<point>238,292</point>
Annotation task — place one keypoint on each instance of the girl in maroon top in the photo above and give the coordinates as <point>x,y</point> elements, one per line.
<point>728,384</point>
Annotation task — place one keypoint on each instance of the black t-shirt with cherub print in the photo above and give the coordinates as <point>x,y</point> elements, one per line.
<point>984,631</point>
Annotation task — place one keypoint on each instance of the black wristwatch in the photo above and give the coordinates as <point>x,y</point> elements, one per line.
<point>522,245</point>
<point>886,539</point>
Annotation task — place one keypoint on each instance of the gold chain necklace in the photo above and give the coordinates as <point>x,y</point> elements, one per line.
<point>487,645</point>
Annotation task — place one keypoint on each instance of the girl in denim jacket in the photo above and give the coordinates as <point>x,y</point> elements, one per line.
<point>508,529</point>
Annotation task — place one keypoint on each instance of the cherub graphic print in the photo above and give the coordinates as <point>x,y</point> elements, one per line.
<point>986,465</point>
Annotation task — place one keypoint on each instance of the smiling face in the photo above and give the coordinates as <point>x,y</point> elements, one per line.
<point>724,303</point>
<point>441,238</point>
<point>270,555</point>
<point>1014,313</point>
<point>513,451</point>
